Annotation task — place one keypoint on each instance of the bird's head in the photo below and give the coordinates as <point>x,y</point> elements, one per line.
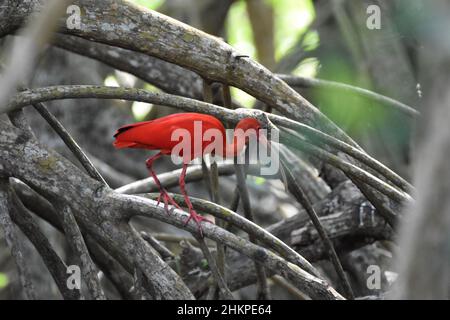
<point>246,129</point>
<point>249,126</point>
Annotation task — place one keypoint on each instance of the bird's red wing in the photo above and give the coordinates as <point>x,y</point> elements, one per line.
<point>128,136</point>
<point>154,123</point>
<point>129,144</point>
<point>157,134</point>
<point>130,126</point>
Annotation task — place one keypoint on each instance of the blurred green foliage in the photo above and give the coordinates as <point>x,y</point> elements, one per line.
<point>151,4</point>
<point>292,18</point>
<point>350,111</point>
<point>239,31</point>
<point>3,280</point>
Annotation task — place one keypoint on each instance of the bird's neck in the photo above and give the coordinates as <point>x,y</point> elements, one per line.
<point>235,147</point>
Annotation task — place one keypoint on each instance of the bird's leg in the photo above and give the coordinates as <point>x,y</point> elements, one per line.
<point>166,198</point>
<point>192,213</point>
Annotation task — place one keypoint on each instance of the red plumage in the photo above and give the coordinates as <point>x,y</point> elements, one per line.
<point>157,135</point>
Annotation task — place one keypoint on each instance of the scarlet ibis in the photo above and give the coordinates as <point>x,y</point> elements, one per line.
<point>157,135</point>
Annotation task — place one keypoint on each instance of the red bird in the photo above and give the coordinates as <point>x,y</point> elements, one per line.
<point>158,135</point>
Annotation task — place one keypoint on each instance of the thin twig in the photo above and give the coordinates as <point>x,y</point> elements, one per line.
<point>208,98</point>
<point>194,173</point>
<point>226,293</point>
<point>302,198</point>
<point>303,82</point>
<point>228,104</point>
<point>206,176</point>
<point>78,246</point>
<point>207,91</point>
<point>69,141</point>
<point>316,136</point>
<point>213,175</point>
<point>215,181</point>
<point>165,253</point>
<point>280,281</point>
<point>348,168</point>
<point>174,238</point>
<point>235,201</point>
<point>226,94</point>
<point>112,270</point>
<point>362,179</point>
<point>262,286</point>
<point>389,215</point>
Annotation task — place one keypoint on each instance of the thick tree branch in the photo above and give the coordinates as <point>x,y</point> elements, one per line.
<point>345,214</point>
<point>64,184</point>
<point>251,228</point>
<point>12,239</point>
<point>164,75</point>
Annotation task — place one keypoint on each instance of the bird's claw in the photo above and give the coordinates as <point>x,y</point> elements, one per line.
<point>198,219</point>
<point>167,199</point>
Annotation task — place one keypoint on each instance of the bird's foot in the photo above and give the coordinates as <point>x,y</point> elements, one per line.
<point>198,219</point>
<point>167,199</point>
